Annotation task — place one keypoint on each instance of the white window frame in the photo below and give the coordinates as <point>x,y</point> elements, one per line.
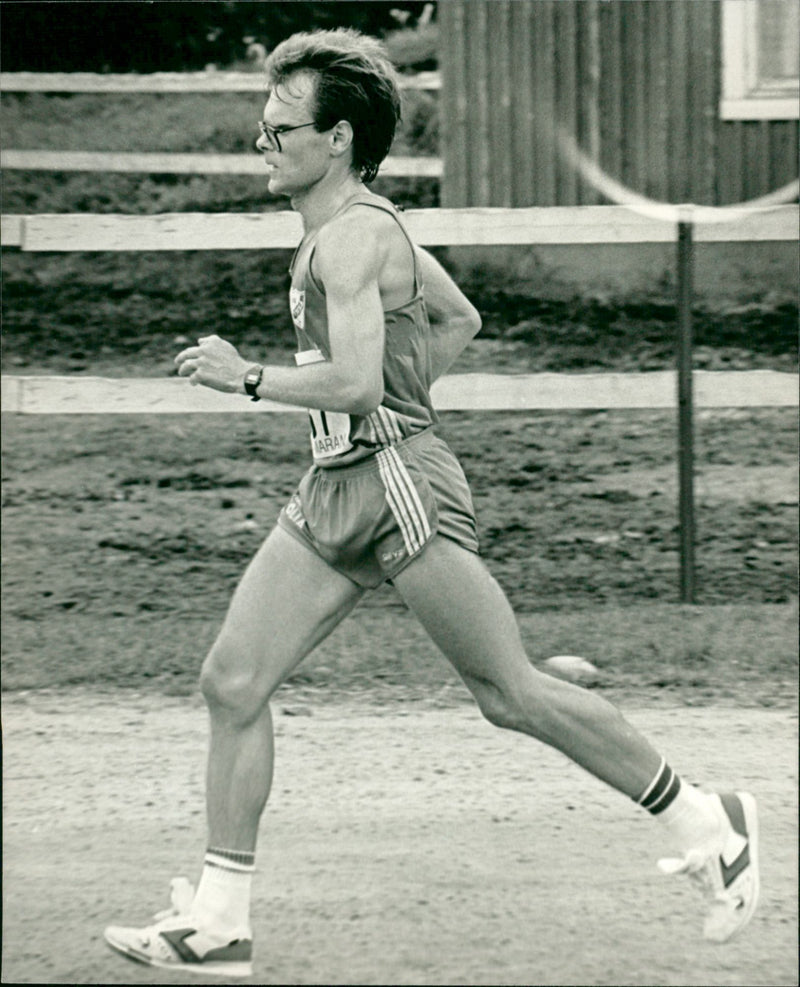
<point>744,95</point>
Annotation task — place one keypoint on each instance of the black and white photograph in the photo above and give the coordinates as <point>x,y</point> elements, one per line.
<point>400,492</point>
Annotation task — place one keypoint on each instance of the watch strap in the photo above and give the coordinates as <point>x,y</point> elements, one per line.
<point>251,381</point>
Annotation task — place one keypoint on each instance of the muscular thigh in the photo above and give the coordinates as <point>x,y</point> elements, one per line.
<point>465,611</point>
<point>287,601</point>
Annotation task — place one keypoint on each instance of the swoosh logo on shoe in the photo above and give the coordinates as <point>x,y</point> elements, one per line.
<point>733,848</point>
<point>741,863</point>
<point>239,949</point>
<point>176,937</point>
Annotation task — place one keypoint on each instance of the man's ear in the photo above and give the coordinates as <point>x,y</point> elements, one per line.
<point>341,138</point>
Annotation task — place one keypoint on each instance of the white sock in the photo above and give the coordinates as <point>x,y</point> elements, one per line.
<point>222,900</point>
<point>691,816</point>
<point>692,819</point>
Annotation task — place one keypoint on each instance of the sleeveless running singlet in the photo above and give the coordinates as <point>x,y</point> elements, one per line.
<point>339,439</point>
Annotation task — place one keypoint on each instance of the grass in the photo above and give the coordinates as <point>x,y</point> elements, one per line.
<point>744,654</point>
<point>201,123</point>
<point>210,123</point>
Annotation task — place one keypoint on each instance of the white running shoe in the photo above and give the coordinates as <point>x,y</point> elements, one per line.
<point>728,876</point>
<point>174,942</point>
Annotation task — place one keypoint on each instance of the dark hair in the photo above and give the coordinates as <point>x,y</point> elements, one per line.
<point>355,81</point>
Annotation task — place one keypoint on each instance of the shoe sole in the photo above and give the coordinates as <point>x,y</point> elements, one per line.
<point>750,809</point>
<point>750,812</point>
<point>236,968</point>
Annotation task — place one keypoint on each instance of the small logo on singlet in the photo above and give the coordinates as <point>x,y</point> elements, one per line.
<point>294,511</point>
<point>297,306</point>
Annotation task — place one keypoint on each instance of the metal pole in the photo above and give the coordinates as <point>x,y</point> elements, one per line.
<point>685,413</point>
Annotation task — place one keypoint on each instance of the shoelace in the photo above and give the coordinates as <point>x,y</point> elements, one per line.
<point>704,881</point>
<point>701,876</point>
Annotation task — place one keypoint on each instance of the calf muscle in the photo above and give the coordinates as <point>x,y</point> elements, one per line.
<point>468,616</point>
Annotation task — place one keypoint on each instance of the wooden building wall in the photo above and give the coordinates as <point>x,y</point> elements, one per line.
<point>637,82</point>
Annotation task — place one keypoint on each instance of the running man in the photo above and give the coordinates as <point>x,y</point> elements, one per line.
<point>377,321</point>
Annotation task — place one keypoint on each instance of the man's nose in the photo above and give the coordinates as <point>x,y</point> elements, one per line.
<point>262,144</point>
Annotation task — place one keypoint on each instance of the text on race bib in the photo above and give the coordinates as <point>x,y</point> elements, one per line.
<point>330,430</point>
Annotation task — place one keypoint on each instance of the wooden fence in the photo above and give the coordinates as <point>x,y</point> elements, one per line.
<point>581,224</point>
<point>185,164</point>
<point>511,150</point>
<point>76,395</point>
<point>162,82</point>
<point>174,163</point>
<point>429,227</point>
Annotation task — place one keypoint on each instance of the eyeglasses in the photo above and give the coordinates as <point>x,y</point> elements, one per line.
<point>273,134</point>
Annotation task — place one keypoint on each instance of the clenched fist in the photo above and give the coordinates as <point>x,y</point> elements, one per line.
<point>215,363</point>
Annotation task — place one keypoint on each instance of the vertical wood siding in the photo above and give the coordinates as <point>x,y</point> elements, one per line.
<point>637,82</point>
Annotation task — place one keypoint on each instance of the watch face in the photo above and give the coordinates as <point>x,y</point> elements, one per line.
<point>251,379</point>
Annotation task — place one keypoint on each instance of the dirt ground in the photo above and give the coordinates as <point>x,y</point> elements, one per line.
<point>405,843</point>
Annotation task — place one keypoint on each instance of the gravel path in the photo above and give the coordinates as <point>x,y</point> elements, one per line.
<point>404,844</point>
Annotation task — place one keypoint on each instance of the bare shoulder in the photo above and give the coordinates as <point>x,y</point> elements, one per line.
<point>362,243</point>
<point>363,228</point>
<point>348,245</point>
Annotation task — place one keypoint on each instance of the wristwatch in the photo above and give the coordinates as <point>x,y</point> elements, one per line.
<point>251,381</point>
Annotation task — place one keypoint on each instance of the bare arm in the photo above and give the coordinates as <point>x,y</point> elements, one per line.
<point>352,380</point>
<point>454,320</point>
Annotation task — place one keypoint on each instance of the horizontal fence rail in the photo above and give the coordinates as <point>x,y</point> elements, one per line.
<point>185,164</point>
<point>429,227</point>
<point>463,392</point>
<point>11,230</point>
<point>162,82</point>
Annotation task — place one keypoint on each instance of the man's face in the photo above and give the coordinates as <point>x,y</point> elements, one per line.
<point>296,158</point>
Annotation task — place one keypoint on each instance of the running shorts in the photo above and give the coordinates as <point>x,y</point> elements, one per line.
<point>369,520</point>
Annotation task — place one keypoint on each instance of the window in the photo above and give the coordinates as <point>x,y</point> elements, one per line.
<point>760,60</point>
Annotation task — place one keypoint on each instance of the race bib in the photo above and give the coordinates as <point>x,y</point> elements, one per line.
<point>330,430</point>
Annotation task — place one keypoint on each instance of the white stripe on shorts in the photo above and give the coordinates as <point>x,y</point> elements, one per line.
<point>397,503</point>
<point>403,500</point>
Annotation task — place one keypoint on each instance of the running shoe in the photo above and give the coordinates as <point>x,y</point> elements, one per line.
<point>728,875</point>
<point>174,942</point>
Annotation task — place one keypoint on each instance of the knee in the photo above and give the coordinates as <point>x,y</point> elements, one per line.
<point>231,686</point>
<point>499,714</point>
<point>531,704</point>
<point>498,706</point>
